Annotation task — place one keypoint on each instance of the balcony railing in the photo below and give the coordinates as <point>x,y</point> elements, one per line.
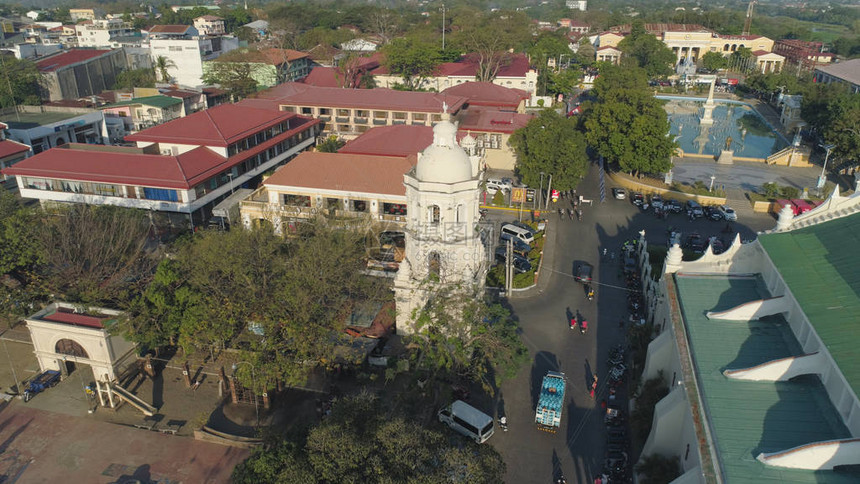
<point>341,119</point>
<point>380,122</point>
<point>361,120</point>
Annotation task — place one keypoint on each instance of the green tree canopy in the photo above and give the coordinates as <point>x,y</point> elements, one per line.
<point>552,144</point>
<point>648,52</point>
<point>135,78</point>
<point>413,60</point>
<point>563,81</point>
<point>714,61</point>
<point>627,125</point>
<point>362,442</point>
<point>21,78</point>
<point>477,341</point>
<point>330,144</point>
<point>236,77</point>
<point>833,111</point>
<point>489,39</point>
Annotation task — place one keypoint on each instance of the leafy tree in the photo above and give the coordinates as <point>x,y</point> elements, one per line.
<point>20,247</point>
<point>627,125</point>
<point>135,78</point>
<point>741,59</point>
<point>20,80</point>
<point>714,61</point>
<point>163,66</point>
<point>413,60</point>
<point>362,442</point>
<point>490,38</point>
<point>647,51</point>
<point>96,254</point>
<point>552,144</point>
<point>585,54</point>
<point>330,145</point>
<point>657,469</point>
<point>834,112</point>
<point>236,77</point>
<point>563,82</point>
<point>475,340</point>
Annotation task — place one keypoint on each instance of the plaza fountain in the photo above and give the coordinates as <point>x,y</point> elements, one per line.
<point>709,128</point>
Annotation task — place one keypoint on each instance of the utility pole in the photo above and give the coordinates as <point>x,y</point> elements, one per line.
<point>548,191</point>
<point>509,267</point>
<point>443,26</point>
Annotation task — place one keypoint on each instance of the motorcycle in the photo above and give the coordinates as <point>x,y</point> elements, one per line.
<point>579,214</point>
<point>503,423</point>
<point>569,214</point>
<point>589,292</point>
<point>573,323</point>
<point>583,328</point>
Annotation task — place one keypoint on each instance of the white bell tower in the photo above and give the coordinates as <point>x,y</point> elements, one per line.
<point>443,243</point>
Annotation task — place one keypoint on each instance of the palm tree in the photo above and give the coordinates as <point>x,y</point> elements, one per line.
<point>162,64</point>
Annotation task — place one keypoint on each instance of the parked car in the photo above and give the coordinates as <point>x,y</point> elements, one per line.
<point>619,193</point>
<point>728,213</point>
<point>520,247</point>
<point>493,187</point>
<point>524,226</point>
<point>521,264</point>
<point>656,201</point>
<point>637,199</point>
<point>713,213</point>
<point>673,206</point>
<point>694,209</point>
<point>696,243</point>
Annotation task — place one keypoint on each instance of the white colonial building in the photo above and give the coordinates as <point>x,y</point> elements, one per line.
<point>443,244</point>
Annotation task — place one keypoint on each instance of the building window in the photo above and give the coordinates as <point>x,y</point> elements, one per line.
<point>333,204</point>
<point>394,208</point>
<point>399,116</point>
<point>344,113</point>
<point>358,205</point>
<point>435,214</point>
<point>307,110</point>
<point>297,200</point>
<point>162,194</point>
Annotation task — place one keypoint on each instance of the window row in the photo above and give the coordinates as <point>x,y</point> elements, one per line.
<point>258,138</point>
<point>101,189</point>
<point>363,115</point>
<point>304,201</point>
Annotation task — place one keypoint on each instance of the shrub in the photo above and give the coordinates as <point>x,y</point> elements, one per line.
<point>499,198</point>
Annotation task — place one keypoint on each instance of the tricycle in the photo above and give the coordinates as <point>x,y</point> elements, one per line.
<point>43,381</point>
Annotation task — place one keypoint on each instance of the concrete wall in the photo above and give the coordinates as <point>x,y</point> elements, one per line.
<point>85,78</point>
<point>638,186</point>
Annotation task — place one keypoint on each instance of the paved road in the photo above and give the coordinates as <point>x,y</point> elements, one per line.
<point>577,450</point>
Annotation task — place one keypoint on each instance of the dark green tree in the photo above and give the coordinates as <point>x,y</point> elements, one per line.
<point>20,247</point>
<point>714,61</point>
<point>477,341</point>
<point>647,51</point>
<point>135,78</point>
<point>363,442</point>
<point>412,60</point>
<point>236,77</point>
<point>552,144</point>
<point>19,82</point>
<point>626,124</point>
<point>563,82</point>
<point>330,144</point>
<point>490,38</point>
<point>834,112</point>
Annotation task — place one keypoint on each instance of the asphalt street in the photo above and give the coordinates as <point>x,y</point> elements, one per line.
<point>577,450</point>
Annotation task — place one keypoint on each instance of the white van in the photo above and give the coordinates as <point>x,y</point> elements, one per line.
<point>468,421</point>
<point>518,232</point>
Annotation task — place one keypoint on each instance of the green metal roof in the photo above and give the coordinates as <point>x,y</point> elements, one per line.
<point>819,264</point>
<point>746,417</point>
<point>154,101</point>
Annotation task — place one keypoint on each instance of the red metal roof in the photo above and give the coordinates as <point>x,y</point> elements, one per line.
<point>130,166</point>
<point>9,147</point>
<point>218,126</point>
<point>515,65</point>
<point>345,172</point>
<point>76,319</point>
<point>326,77</point>
<point>490,121</point>
<point>169,29</point>
<point>57,61</point>
<point>401,140</point>
<point>488,94</point>
<point>294,93</point>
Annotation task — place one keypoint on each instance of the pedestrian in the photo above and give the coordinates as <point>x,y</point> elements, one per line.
<point>573,322</point>
<point>603,404</point>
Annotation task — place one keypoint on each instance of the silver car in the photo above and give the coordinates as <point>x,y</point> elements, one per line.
<point>728,213</point>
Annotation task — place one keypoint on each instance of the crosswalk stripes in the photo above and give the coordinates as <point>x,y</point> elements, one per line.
<point>602,182</point>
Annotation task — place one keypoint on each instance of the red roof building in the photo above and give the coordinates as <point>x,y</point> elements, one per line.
<point>400,141</point>
<point>806,55</point>
<point>492,95</point>
<point>186,165</point>
<point>67,59</point>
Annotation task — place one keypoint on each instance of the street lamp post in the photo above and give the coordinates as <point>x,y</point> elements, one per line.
<point>548,187</point>
<point>253,382</point>
<point>822,178</point>
<point>540,192</point>
<point>711,188</point>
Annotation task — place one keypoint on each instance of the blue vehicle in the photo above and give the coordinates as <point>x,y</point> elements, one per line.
<point>551,402</point>
<point>43,381</point>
